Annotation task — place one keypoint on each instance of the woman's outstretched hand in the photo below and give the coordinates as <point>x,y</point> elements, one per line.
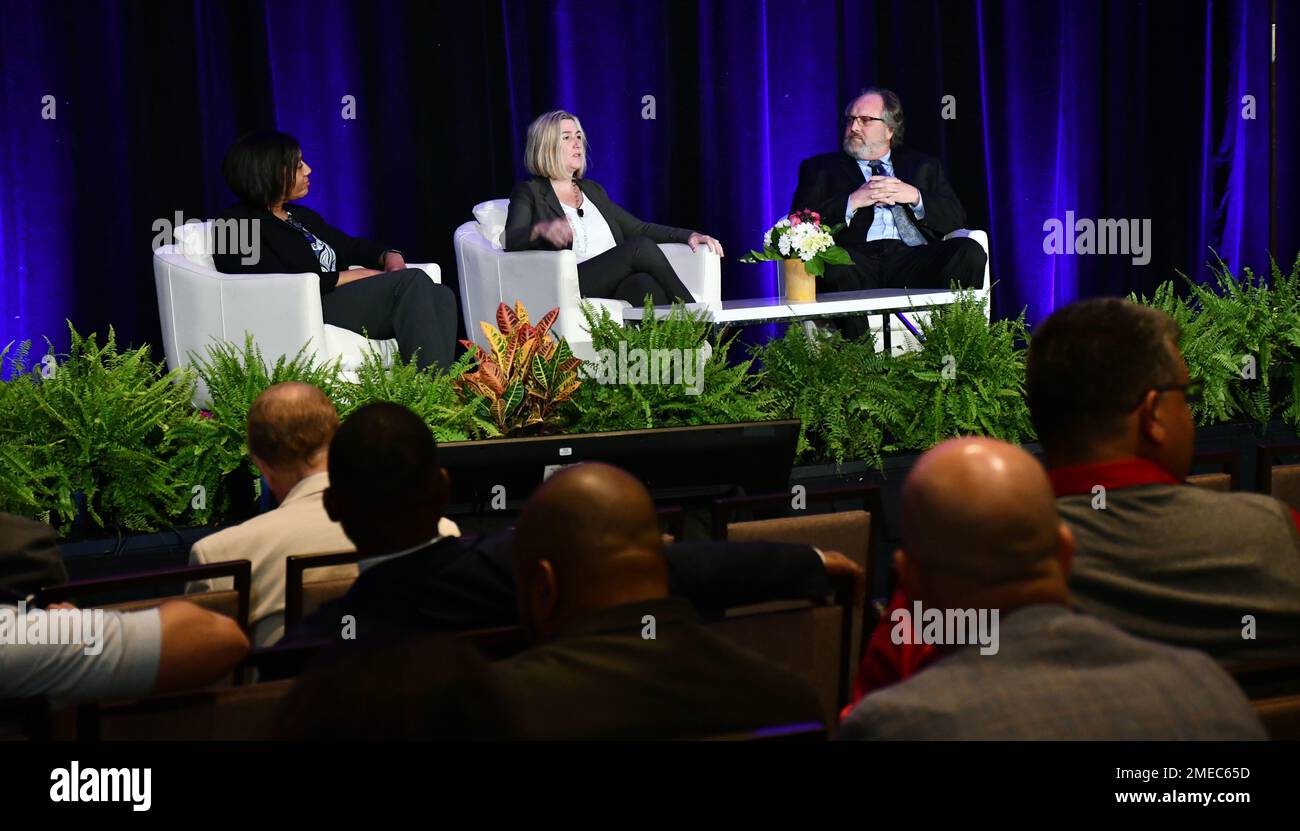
<point>697,239</point>
<point>557,232</point>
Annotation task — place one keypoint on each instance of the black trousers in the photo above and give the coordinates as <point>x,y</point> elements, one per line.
<point>629,272</point>
<point>403,304</point>
<point>891,263</point>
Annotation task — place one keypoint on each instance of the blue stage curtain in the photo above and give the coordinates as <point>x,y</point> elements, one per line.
<point>1106,108</point>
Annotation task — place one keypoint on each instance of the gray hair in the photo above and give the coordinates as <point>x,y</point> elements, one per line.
<point>892,115</point>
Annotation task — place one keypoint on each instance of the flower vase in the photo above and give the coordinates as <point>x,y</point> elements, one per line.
<point>800,286</point>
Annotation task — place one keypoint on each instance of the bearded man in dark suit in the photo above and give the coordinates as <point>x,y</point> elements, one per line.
<point>896,202</point>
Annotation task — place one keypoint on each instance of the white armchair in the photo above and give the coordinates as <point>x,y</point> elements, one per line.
<point>545,280</point>
<point>198,305</point>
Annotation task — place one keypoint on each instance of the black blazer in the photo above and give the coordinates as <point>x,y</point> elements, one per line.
<point>826,181</point>
<point>456,585</point>
<point>534,200</point>
<point>284,250</point>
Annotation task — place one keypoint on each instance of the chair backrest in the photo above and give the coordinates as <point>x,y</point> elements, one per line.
<point>1280,480</point>
<point>1286,484</point>
<point>489,277</point>
<point>1228,463</point>
<point>479,280</point>
<point>848,532</point>
<point>199,306</point>
<point>807,639</point>
<point>222,602</point>
<point>302,599</point>
<point>1211,481</point>
<point>243,713</point>
<point>82,591</point>
<point>1281,717</point>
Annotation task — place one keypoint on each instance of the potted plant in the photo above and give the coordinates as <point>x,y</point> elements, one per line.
<point>805,247</point>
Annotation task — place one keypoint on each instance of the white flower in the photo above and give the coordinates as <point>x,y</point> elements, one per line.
<point>783,245</point>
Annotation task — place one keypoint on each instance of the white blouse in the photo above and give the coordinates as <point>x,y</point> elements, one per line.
<point>591,234</point>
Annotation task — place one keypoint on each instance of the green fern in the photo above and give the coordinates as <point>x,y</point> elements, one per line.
<point>840,391</point>
<point>967,379</point>
<point>109,429</point>
<point>1241,339</point>
<point>720,394</point>
<point>430,395</point>
<point>235,377</point>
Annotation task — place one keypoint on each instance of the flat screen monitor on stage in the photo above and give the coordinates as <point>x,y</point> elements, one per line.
<point>674,463</point>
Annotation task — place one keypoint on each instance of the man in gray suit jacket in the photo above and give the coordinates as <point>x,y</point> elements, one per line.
<point>1110,396</point>
<point>982,537</point>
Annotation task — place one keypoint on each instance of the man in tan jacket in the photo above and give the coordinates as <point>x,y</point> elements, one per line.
<point>290,426</point>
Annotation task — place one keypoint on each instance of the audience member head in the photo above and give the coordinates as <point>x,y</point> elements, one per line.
<point>556,147</point>
<point>1105,382</point>
<point>386,486</point>
<point>981,530</point>
<point>290,426</point>
<point>426,688</point>
<point>266,169</point>
<point>873,123</point>
<point>586,540</point>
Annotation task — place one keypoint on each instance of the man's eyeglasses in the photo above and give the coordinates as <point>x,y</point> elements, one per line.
<point>863,121</point>
<point>1191,390</point>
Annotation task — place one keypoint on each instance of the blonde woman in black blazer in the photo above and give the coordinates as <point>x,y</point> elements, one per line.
<point>618,254</point>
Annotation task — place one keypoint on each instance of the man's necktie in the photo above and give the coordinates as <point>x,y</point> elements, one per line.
<point>906,230</point>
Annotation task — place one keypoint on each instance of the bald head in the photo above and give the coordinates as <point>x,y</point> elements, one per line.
<point>979,517</point>
<point>587,539</point>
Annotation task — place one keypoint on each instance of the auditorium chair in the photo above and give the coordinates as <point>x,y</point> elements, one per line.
<point>808,638</point>
<point>545,280</point>
<point>855,538</point>
<point>1280,480</point>
<point>233,603</point>
<point>1223,480</point>
<point>198,306</point>
<point>243,713</point>
<point>302,598</point>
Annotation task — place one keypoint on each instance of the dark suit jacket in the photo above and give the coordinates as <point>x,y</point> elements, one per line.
<point>456,585</point>
<point>534,200</point>
<point>826,181</point>
<point>601,679</point>
<point>29,556</point>
<point>284,250</point>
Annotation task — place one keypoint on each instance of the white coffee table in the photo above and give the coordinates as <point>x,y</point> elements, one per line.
<point>756,310</point>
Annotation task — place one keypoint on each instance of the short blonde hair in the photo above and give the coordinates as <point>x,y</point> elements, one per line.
<point>542,154</point>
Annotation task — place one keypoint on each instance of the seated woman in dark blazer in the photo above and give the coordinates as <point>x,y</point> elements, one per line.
<point>618,254</point>
<point>266,170</point>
